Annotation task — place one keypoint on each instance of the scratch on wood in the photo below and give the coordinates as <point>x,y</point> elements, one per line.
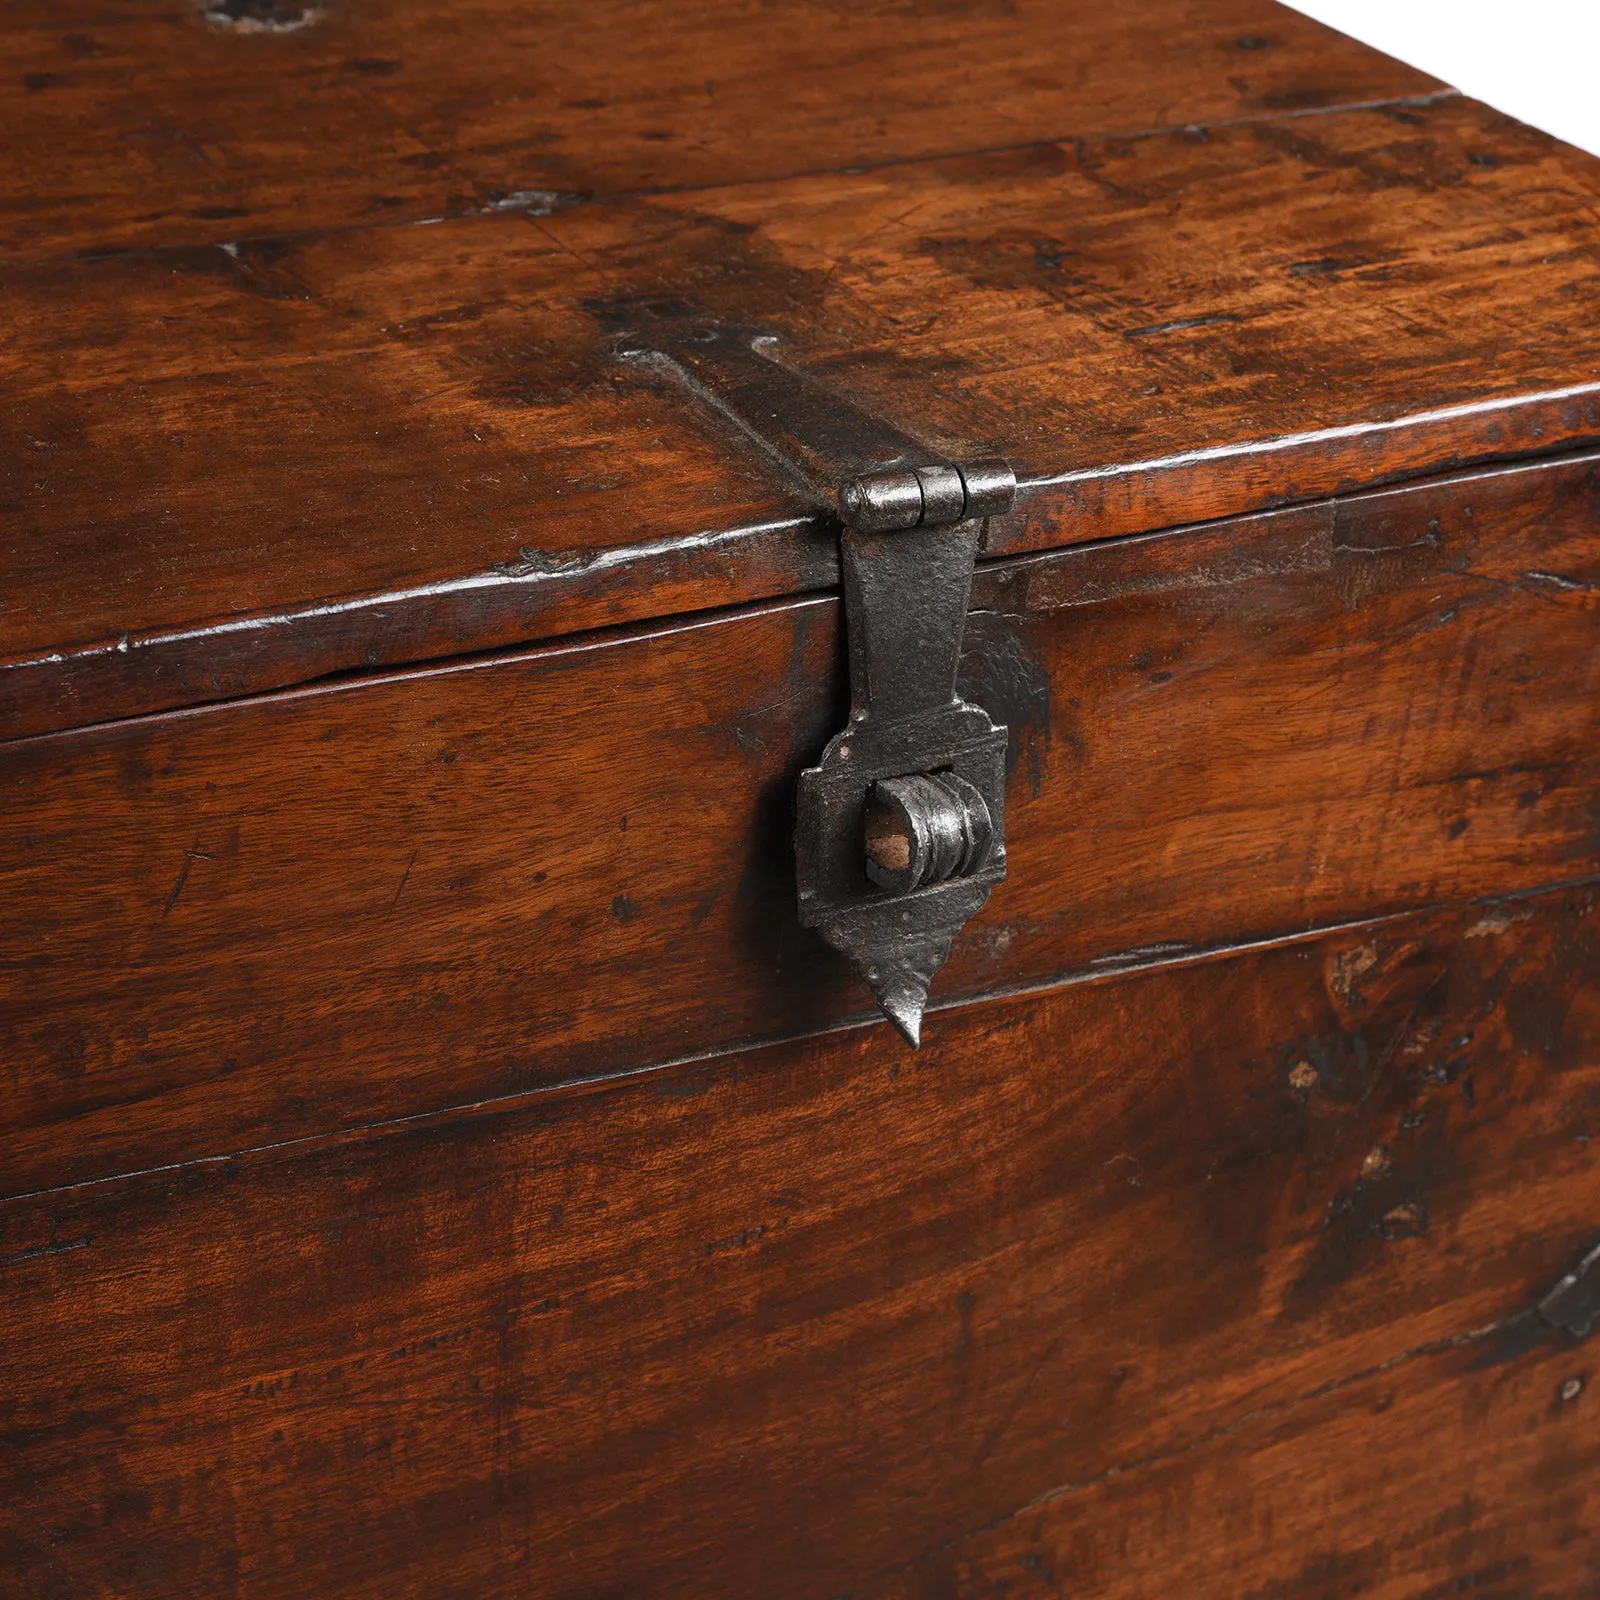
<point>1180,325</point>
<point>534,202</point>
<point>1555,580</point>
<point>1136,1177</point>
<point>405,877</point>
<point>1221,1431</point>
<point>54,1248</point>
<point>1000,1430</point>
<point>190,856</point>
<point>1271,545</point>
<point>1142,953</point>
<point>1429,541</point>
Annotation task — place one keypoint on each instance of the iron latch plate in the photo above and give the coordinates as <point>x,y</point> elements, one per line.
<point>916,766</point>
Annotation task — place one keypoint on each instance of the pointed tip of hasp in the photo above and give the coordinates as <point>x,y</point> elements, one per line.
<point>902,1005</point>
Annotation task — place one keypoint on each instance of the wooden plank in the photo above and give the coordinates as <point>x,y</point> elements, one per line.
<point>775,1324</point>
<point>1436,1477</point>
<point>260,922</point>
<point>225,472</point>
<point>125,124</point>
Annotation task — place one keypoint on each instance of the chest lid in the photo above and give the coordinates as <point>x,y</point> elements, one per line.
<point>318,321</point>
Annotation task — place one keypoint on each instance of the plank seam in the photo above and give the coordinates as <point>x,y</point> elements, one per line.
<point>1159,959</point>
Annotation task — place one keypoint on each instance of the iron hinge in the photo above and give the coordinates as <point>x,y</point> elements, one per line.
<point>900,826</point>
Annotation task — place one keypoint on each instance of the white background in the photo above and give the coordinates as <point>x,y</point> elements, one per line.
<point>1539,60</point>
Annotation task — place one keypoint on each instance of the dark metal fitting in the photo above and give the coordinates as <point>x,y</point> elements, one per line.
<point>882,502</point>
<point>926,828</point>
<point>944,494</point>
<point>917,768</point>
<point>991,488</point>
<point>888,502</point>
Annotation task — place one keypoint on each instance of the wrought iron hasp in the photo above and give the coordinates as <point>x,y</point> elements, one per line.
<point>900,827</point>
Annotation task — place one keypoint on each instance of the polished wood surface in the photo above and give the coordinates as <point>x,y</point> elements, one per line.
<point>433,1159</point>
<point>131,123</point>
<point>228,469</point>
<point>236,926</point>
<point>1219,1275</point>
<point>1442,1473</point>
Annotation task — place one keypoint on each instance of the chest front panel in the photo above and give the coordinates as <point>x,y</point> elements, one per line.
<point>488,496</point>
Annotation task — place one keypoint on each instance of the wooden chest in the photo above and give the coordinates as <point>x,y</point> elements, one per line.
<point>549,553</point>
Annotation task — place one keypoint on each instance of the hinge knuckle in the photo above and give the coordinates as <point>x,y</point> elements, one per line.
<point>944,495</point>
<point>882,502</point>
<point>991,488</point>
<point>927,497</point>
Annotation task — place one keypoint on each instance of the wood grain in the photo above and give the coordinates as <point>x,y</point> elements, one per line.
<point>432,1158</point>
<point>261,922</point>
<point>225,471</point>
<point>126,124</point>
<point>780,1323</point>
<point>1435,1477</point>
